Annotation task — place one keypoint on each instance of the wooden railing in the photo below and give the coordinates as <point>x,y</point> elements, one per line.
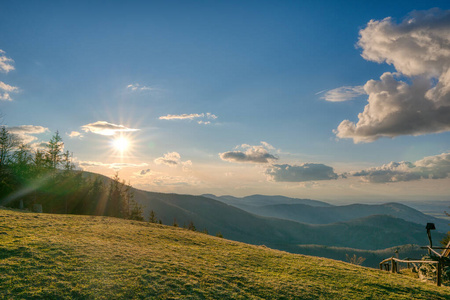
<point>394,263</point>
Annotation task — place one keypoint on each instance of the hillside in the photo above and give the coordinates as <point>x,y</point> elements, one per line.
<point>373,232</point>
<point>67,256</point>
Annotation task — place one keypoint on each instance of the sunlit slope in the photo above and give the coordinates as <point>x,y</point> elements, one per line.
<point>63,256</point>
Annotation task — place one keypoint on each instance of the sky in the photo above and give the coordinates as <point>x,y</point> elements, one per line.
<point>342,101</point>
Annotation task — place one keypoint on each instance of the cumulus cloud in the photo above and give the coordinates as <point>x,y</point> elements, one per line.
<point>75,134</point>
<point>6,90</point>
<point>251,154</point>
<point>41,146</point>
<point>205,117</point>
<point>186,165</point>
<point>344,93</point>
<point>432,167</point>
<point>171,159</point>
<point>26,132</point>
<point>300,173</point>
<point>105,128</point>
<point>419,48</point>
<point>5,62</point>
<point>137,87</point>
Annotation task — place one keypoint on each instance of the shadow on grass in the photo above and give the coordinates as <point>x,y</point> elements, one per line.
<point>17,252</point>
<point>398,290</point>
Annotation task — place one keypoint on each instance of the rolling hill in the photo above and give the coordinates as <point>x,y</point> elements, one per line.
<point>47,256</point>
<point>372,232</point>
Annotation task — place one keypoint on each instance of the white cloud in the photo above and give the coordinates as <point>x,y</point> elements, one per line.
<point>5,90</point>
<point>419,48</point>
<point>186,165</point>
<point>5,62</point>
<point>432,167</point>
<point>171,159</point>
<point>211,116</point>
<point>181,117</point>
<point>344,93</point>
<point>300,173</point>
<point>75,134</point>
<point>137,87</point>
<point>252,154</point>
<point>105,128</point>
<point>40,146</point>
<point>26,132</point>
<point>206,117</point>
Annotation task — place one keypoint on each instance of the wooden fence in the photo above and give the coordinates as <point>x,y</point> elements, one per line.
<point>392,263</point>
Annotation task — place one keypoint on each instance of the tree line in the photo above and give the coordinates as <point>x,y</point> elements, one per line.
<point>47,177</point>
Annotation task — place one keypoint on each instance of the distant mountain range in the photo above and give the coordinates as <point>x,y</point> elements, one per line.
<point>262,200</point>
<point>370,232</point>
<point>318,212</point>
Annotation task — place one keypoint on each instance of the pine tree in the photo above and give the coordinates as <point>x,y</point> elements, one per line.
<point>152,217</point>
<point>7,144</point>
<point>54,151</point>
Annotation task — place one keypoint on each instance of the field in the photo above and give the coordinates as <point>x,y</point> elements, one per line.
<point>85,257</point>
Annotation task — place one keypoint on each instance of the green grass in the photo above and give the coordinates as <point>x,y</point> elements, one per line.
<point>47,256</point>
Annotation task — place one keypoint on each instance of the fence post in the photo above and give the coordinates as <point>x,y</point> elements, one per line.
<point>439,273</point>
<point>394,267</point>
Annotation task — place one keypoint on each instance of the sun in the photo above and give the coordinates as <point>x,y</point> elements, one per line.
<point>121,144</point>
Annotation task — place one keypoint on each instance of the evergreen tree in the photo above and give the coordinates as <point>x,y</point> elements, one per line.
<point>54,152</point>
<point>7,144</point>
<point>152,217</point>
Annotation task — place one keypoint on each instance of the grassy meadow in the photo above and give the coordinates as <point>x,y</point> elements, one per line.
<point>45,256</point>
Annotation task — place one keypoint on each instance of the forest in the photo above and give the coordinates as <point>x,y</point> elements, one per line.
<point>45,178</point>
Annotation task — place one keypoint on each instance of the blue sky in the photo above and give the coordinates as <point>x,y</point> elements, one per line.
<point>230,97</point>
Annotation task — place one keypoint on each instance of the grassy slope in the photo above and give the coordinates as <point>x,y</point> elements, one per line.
<point>372,257</point>
<point>64,256</point>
